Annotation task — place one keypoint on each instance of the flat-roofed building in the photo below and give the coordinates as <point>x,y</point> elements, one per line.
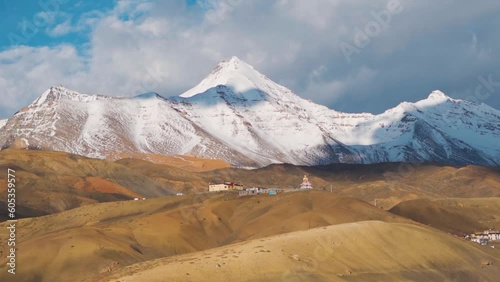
<point>225,186</point>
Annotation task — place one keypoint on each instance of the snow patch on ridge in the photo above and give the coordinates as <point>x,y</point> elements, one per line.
<point>3,122</point>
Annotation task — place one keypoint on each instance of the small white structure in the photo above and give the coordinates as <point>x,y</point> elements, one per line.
<point>305,183</point>
<point>480,240</point>
<point>256,191</point>
<point>179,194</point>
<point>250,191</point>
<point>136,199</point>
<point>484,237</point>
<point>225,186</point>
<point>493,235</point>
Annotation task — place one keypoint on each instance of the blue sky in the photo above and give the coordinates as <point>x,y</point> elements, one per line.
<point>354,56</point>
<point>35,18</point>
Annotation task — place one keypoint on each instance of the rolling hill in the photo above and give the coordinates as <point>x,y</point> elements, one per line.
<point>51,182</point>
<point>360,251</point>
<point>220,234</point>
<point>457,216</point>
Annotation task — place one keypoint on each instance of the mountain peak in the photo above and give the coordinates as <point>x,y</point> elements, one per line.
<point>232,64</point>
<point>233,59</point>
<point>58,92</point>
<point>233,73</point>
<point>437,95</point>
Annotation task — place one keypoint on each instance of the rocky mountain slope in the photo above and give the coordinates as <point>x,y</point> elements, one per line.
<point>238,115</point>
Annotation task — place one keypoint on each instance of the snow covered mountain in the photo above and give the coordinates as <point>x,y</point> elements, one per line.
<point>239,115</point>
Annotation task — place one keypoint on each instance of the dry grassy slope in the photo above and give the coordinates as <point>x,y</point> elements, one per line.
<point>457,216</point>
<point>394,182</point>
<point>55,181</point>
<point>388,183</point>
<point>184,162</point>
<point>85,241</point>
<point>172,177</point>
<point>361,251</point>
<point>49,182</point>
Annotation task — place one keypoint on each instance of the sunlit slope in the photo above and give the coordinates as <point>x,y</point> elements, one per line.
<point>388,183</point>
<point>360,251</point>
<point>457,216</point>
<point>184,162</point>
<point>48,182</point>
<point>85,241</point>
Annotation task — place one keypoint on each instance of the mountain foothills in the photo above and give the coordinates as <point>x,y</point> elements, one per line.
<point>238,115</point>
<point>301,236</point>
<point>51,182</point>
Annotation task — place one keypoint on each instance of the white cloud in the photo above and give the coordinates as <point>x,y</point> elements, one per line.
<point>28,71</point>
<point>167,47</point>
<point>60,29</point>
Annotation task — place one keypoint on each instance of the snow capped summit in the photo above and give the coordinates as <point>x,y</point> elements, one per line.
<point>58,92</point>
<point>239,115</point>
<point>437,96</point>
<point>233,63</point>
<point>241,78</point>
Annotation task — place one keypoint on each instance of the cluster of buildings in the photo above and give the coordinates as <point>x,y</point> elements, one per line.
<point>484,237</point>
<point>257,190</point>
<point>232,186</point>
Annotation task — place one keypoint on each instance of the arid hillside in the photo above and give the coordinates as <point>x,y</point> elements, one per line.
<point>97,238</point>
<point>82,215</point>
<point>456,215</point>
<point>386,184</point>
<point>359,251</point>
<point>50,182</point>
<point>184,162</point>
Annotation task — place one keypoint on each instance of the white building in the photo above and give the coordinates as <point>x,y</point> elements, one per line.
<point>493,235</point>
<point>256,191</point>
<point>226,186</point>
<point>484,237</point>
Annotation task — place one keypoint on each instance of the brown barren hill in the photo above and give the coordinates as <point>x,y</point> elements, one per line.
<point>49,182</point>
<point>360,251</point>
<point>457,216</point>
<point>86,241</point>
<point>184,162</point>
<point>388,184</point>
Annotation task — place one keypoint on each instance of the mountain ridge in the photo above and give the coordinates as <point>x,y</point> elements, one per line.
<point>240,116</point>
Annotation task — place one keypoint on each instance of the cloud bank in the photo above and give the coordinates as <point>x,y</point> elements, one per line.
<point>398,50</point>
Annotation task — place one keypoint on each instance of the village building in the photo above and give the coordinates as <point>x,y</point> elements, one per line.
<point>257,190</point>
<point>250,191</point>
<point>225,186</point>
<point>484,237</point>
<point>493,235</point>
